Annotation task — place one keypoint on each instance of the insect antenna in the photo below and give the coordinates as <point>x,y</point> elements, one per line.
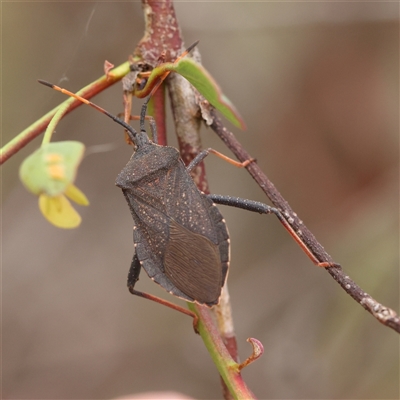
<point>144,108</point>
<point>132,131</point>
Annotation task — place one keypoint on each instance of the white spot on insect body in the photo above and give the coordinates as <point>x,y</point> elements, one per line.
<point>290,220</point>
<point>299,232</point>
<point>348,286</point>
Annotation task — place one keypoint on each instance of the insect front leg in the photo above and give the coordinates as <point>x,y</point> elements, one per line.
<point>262,208</point>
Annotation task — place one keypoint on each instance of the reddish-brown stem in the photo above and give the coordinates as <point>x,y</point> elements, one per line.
<point>162,32</point>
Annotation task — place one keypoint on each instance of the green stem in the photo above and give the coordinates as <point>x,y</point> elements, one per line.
<point>34,130</point>
<point>61,111</point>
<point>226,365</point>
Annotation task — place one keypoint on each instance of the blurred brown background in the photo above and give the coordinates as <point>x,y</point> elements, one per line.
<point>318,86</point>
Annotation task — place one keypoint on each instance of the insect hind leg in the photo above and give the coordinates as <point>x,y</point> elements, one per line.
<point>262,208</point>
<point>133,277</point>
<point>134,272</point>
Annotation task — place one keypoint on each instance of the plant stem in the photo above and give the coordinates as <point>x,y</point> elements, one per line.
<point>226,365</point>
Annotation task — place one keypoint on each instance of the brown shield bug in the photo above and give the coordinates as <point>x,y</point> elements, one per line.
<point>180,237</point>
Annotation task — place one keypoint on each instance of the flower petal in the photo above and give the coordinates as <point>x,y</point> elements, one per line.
<point>76,195</point>
<point>59,211</point>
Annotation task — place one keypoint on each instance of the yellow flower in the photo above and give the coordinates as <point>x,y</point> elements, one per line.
<point>58,209</point>
<point>49,173</point>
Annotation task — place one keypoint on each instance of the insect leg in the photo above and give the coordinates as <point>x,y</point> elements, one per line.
<point>133,277</point>
<point>203,154</point>
<point>262,208</point>
<point>134,271</point>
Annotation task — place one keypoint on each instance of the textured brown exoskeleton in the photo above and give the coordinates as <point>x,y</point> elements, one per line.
<point>180,237</point>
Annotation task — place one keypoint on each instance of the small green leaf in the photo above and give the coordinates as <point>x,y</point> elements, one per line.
<point>201,80</point>
<point>205,84</point>
<point>52,167</point>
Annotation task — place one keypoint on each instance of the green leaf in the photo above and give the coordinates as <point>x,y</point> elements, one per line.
<point>52,167</point>
<point>201,80</point>
<point>206,85</point>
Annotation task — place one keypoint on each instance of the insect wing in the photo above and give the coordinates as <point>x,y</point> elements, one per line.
<point>197,254</point>
<point>192,262</point>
